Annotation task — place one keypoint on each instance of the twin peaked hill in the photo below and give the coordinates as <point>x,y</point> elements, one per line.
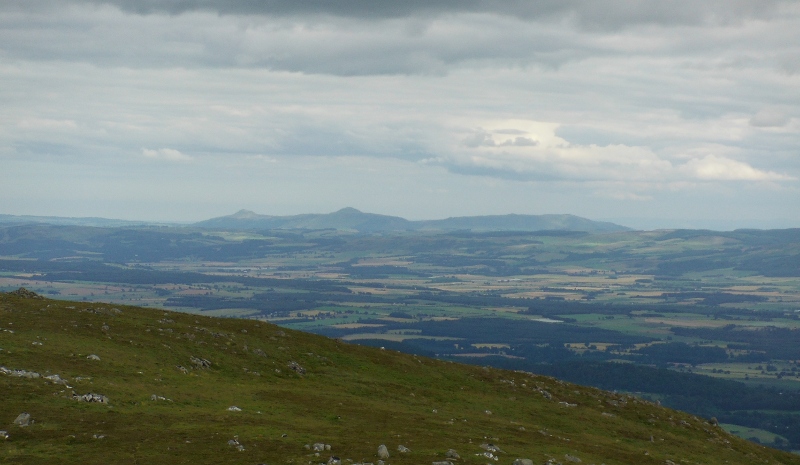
<point>352,219</point>
<point>183,388</point>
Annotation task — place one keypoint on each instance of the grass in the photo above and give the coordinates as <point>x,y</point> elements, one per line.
<point>351,397</point>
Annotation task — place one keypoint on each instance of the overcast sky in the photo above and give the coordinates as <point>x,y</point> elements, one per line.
<point>652,114</point>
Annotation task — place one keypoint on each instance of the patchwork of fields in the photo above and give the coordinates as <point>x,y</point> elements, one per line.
<point>725,305</point>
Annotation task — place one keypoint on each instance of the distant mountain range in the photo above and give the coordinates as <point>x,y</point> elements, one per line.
<point>349,219</point>
<point>70,221</point>
<point>355,220</point>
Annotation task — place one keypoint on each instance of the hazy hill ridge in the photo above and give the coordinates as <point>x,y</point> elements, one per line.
<point>352,219</point>
<point>94,383</point>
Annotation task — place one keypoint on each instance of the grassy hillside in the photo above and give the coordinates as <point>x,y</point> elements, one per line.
<point>292,389</point>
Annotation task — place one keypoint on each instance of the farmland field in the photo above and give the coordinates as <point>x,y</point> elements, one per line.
<point>725,305</point>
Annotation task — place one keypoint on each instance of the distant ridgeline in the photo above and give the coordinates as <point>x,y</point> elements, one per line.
<point>355,220</point>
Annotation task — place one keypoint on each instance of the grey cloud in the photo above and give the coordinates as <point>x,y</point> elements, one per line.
<point>520,142</point>
<point>479,139</point>
<point>770,118</point>
<point>595,13</point>
<point>501,173</point>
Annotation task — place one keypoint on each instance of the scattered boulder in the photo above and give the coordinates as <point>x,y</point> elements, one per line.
<point>297,368</point>
<point>20,373</point>
<point>93,357</point>
<point>55,379</point>
<point>23,419</point>
<point>90,397</point>
<point>443,463</point>
<point>234,408</point>
<point>523,462</point>
<point>713,421</point>
<point>182,369</point>
<point>571,458</point>
<point>490,448</point>
<point>452,454</point>
<point>200,363</point>
<point>383,452</point>
<point>403,449</point>
<point>334,460</point>
<point>318,447</point>
<point>235,443</point>
<point>3,434</point>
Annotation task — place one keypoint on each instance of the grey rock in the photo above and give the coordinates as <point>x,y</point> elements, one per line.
<point>571,458</point>
<point>91,398</point>
<point>23,419</point>
<point>200,362</point>
<point>93,357</point>
<point>452,454</point>
<point>383,452</point>
<point>443,463</point>
<point>55,379</point>
<point>490,448</point>
<point>318,447</point>
<point>297,368</point>
<point>523,462</point>
<point>403,449</point>
<point>3,434</point>
<point>334,460</point>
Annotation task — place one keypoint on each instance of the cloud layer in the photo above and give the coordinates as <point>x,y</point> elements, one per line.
<point>624,100</point>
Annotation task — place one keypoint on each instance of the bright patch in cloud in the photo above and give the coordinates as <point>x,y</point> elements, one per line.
<point>166,154</point>
<point>714,168</point>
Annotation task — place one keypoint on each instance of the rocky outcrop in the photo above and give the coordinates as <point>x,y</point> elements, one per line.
<point>25,294</point>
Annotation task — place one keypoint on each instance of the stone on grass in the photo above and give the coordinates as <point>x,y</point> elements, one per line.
<point>523,462</point>
<point>452,454</point>
<point>3,434</point>
<point>403,449</point>
<point>23,419</point>
<point>297,368</point>
<point>383,452</point>
<point>91,398</point>
<point>200,362</point>
<point>443,463</point>
<point>572,458</point>
<point>93,357</point>
<point>234,408</point>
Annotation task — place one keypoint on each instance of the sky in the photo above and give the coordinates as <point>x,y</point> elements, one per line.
<point>665,114</point>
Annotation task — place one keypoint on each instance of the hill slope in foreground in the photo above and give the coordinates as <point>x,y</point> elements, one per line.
<point>180,388</point>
